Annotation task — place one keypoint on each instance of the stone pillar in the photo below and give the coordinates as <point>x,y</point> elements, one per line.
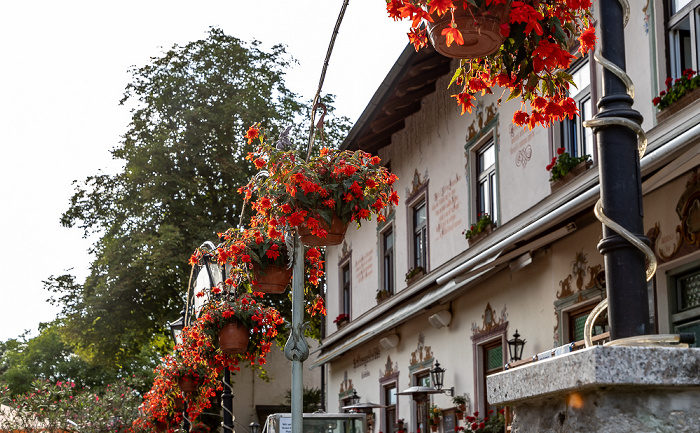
<point>604,389</point>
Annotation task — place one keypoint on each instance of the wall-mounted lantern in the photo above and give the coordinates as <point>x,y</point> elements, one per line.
<point>515,347</point>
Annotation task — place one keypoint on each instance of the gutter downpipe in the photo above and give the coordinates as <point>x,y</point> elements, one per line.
<point>649,160</point>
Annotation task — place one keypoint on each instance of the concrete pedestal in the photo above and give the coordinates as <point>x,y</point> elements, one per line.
<point>604,390</point>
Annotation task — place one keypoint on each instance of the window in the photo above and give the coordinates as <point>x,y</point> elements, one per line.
<point>576,139</point>
<point>486,188</point>
<point>577,321</point>
<point>683,35</point>
<point>346,286</point>
<point>422,407</point>
<point>492,362</point>
<point>685,315</point>
<point>388,260</point>
<point>390,410</point>
<point>420,235</point>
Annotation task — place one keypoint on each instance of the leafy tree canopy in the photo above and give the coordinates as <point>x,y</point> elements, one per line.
<point>183,159</point>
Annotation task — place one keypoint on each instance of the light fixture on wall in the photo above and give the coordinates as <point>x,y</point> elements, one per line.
<point>354,399</point>
<point>437,375</point>
<point>515,347</point>
<point>254,427</point>
<point>440,319</point>
<point>176,328</point>
<point>390,341</point>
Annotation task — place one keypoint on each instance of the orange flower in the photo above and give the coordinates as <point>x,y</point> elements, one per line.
<point>452,34</point>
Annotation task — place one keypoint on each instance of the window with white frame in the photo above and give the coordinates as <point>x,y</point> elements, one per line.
<point>683,35</point>
<point>577,140</point>
<point>345,286</point>
<point>419,243</point>
<point>387,252</point>
<point>490,350</point>
<point>486,182</point>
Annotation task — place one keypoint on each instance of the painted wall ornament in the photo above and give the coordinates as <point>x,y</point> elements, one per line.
<point>686,237</point>
<point>390,369</point>
<point>422,352</point>
<point>482,116</point>
<point>490,320</point>
<point>579,271</point>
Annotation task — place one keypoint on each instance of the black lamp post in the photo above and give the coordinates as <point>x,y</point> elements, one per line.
<point>176,328</point>
<point>515,347</point>
<point>620,187</point>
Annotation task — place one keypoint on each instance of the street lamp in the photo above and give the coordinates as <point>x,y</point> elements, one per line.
<point>437,375</point>
<point>176,328</point>
<point>354,399</point>
<point>515,347</point>
<point>254,427</point>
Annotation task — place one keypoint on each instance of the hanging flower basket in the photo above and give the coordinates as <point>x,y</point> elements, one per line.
<point>480,28</point>
<point>233,339</point>
<point>187,384</point>
<point>335,233</point>
<point>179,403</point>
<point>460,415</point>
<point>274,280</point>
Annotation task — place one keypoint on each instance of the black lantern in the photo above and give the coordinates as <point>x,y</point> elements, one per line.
<point>354,399</point>
<point>437,375</point>
<point>254,427</point>
<point>515,347</point>
<point>176,328</point>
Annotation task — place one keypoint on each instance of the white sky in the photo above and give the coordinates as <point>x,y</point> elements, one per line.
<point>63,70</point>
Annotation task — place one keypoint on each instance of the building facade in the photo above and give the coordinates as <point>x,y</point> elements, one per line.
<point>538,270</point>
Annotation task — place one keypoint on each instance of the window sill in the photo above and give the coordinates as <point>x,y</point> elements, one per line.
<point>679,105</point>
<point>415,278</point>
<point>579,169</point>
<point>481,235</point>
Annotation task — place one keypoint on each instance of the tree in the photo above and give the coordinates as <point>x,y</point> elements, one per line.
<point>183,162</point>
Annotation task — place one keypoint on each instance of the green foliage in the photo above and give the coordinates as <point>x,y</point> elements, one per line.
<point>676,89</point>
<point>563,164</point>
<point>311,397</point>
<point>62,406</point>
<point>483,222</point>
<point>183,161</point>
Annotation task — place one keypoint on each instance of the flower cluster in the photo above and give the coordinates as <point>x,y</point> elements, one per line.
<point>563,163</point>
<point>675,89</point>
<point>493,423</point>
<point>532,61</point>
<point>350,185</point>
<point>434,415</point>
<point>483,222</point>
<point>342,318</point>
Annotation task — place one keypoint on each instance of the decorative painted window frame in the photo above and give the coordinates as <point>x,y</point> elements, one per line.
<point>382,228</point>
<point>479,341</point>
<point>345,260</point>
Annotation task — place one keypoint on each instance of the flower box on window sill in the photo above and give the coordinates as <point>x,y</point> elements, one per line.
<point>677,106</point>
<point>415,275</point>
<point>382,296</point>
<point>482,234</point>
<point>342,324</point>
<point>580,168</point>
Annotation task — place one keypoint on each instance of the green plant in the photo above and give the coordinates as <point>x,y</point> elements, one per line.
<point>382,293</point>
<point>495,422</point>
<point>414,271</point>
<point>675,89</point>
<point>434,414</point>
<point>483,222</point>
<point>459,399</point>
<point>562,164</point>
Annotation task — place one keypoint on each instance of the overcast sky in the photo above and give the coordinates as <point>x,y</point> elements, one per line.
<point>63,71</point>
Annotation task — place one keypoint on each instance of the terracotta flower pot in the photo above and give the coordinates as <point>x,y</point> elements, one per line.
<point>275,279</point>
<point>187,384</point>
<point>335,236</point>
<point>233,339</point>
<point>161,425</point>
<point>460,415</point>
<point>462,407</point>
<point>433,427</point>
<point>480,28</point>
<point>179,404</point>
